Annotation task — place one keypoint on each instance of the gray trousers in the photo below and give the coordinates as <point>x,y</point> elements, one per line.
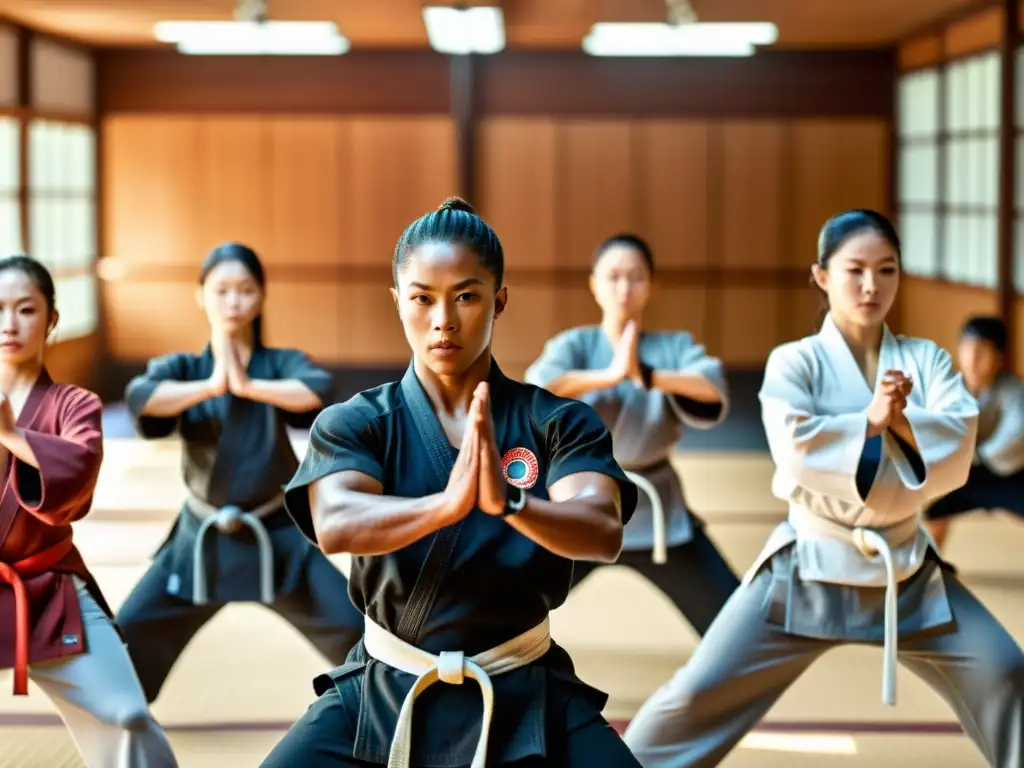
<point>100,699</point>
<point>744,664</point>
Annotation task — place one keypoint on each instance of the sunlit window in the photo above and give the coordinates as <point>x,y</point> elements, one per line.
<point>919,171</point>
<point>10,174</point>
<point>62,216</point>
<point>949,170</point>
<point>970,157</point>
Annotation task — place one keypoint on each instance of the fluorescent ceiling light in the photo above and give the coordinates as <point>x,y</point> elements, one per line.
<point>696,39</point>
<point>465,30</point>
<point>285,38</point>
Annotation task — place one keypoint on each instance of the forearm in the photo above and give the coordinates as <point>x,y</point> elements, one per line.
<point>15,443</point>
<point>287,394</point>
<point>572,384</point>
<point>170,398</point>
<point>689,385</point>
<point>578,528</point>
<point>369,524</point>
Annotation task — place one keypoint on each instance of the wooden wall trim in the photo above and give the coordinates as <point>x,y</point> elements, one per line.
<point>775,84</point>
<point>67,42</point>
<point>975,34</point>
<point>122,270</point>
<point>938,25</point>
<point>378,82</point>
<point>920,52</point>
<point>24,64</point>
<point>463,105</point>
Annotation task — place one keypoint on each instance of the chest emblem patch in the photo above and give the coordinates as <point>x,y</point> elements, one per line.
<point>520,467</point>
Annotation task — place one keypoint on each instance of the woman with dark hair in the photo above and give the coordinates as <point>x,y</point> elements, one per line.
<point>57,629</point>
<point>464,497</point>
<point>233,540</point>
<point>647,386</point>
<point>996,480</point>
<point>864,427</point>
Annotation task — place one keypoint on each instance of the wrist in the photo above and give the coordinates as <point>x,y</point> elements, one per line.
<point>442,508</point>
<point>875,429</point>
<point>515,500</point>
<point>613,376</point>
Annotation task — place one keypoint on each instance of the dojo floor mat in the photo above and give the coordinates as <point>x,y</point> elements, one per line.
<point>247,674</point>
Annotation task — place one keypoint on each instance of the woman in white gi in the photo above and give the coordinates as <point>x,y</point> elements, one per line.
<point>864,428</point>
<point>647,387</point>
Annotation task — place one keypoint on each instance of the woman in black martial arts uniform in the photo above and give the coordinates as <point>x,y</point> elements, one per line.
<point>464,497</point>
<point>233,540</point>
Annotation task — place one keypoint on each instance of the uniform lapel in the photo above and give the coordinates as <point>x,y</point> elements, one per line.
<point>9,503</point>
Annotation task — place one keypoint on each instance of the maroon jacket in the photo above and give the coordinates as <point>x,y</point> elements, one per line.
<point>40,617</point>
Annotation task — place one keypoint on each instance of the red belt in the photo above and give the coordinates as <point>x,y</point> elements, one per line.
<point>12,573</point>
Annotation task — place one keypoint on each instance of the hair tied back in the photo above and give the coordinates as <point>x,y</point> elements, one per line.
<point>456,204</point>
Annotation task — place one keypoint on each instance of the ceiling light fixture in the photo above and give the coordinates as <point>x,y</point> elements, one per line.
<point>462,30</point>
<point>697,39</point>
<point>682,35</point>
<point>282,38</point>
<point>251,33</point>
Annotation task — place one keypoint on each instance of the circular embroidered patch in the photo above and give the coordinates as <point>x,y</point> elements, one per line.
<point>520,467</point>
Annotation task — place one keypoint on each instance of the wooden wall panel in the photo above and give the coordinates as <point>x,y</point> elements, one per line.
<point>732,209</point>
<point>919,52</point>
<point>370,332</point>
<point>309,316</point>
<point>236,198</point>
<point>311,199</point>
<point>306,193</point>
<point>597,182</point>
<point>152,176</point>
<point>74,361</point>
<point>936,310</point>
<point>978,32</point>
<point>402,168</point>
<point>802,310</point>
<point>835,167</point>
<point>674,190</point>
<point>673,307</point>
<point>576,305</point>
<point>520,332</point>
<point>517,187</point>
<point>1018,319</point>
<point>752,193</point>
<point>143,319</point>
<point>747,321</point>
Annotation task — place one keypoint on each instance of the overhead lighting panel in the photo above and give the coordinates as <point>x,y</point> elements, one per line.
<point>249,38</point>
<point>687,39</point>
<point>460,31</point>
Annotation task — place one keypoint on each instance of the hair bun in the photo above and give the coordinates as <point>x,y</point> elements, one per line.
<point>455,204</point>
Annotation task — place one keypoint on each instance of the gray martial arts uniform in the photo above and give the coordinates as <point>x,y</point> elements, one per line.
<point>646,426</point>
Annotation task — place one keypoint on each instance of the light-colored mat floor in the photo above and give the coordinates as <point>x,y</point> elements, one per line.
<point>247,673</point>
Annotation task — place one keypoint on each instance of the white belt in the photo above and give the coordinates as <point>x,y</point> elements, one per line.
<point>660,555</point>
<point>228,520</point>
<point>870,542</point>
<point>450,667</point>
